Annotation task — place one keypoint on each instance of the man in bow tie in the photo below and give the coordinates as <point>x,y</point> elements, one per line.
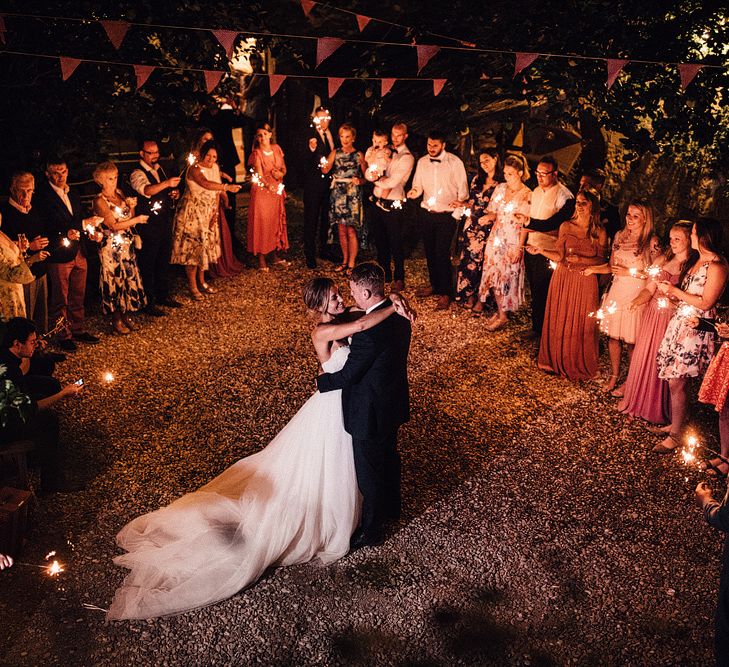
<point>440,177</point>
<point>316,187</point>
<point>157,197</point>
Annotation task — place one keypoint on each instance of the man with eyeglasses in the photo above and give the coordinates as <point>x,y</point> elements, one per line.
<point>552,204</point>
<point>157,197</point>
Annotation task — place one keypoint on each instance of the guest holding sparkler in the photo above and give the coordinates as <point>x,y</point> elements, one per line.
<point>196,240</point>
<point>61,210</point>
<point>157,195</point>
<point>717,515</point>
<point>14,273</point>
<point>634,249</point>
<point>345,204</point>
<point>122,292</point>
<point>503,267</point>
<point>646,395</point>
<point>267,233</point>
<point>570,339</point>
<point>685,352</point>
<point>476,230</point>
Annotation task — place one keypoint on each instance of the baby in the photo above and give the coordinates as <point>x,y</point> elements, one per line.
<point>378,158</point>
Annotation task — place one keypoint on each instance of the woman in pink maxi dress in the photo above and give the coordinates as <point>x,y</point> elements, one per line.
<point>266,212</point>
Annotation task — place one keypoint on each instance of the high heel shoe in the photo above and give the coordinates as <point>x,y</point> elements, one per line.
<point>196,295</point>
<point>118,329</point>
<point>205,288</point>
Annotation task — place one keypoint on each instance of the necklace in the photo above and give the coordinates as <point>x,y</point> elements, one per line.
<point>268,152</point>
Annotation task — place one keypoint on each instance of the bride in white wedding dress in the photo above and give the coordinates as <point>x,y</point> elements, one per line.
<point>295,500</point>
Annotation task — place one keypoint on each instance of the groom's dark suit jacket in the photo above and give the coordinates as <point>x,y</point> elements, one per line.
<point>374,381</point>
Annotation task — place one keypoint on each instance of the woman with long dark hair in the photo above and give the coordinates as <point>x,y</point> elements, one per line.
<point>267,234</point>
<point>476,229</point>
<point>685,352</point>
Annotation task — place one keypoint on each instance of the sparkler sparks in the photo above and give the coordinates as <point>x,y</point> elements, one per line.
<point>280,189</point>
<point>662,303</point>
<point>156,207</point>
<point>510,207</point>
<point>552,264</point>
<point>108,377</point>
<point>396,204</point>
<point>467,212</point>
<point>65,242</point>
<point>601,313</point>
<point>685,310</point>
<point>323,162</point>
<point>431,201</point>
<point>633,272</point>
<point>653,271</point>
<point>191,159</point>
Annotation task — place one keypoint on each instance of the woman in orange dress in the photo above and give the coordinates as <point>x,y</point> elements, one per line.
<point>569,344</point>
<point>266,213</point>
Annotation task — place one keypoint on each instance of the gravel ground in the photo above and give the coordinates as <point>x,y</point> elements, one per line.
<point>537,528</point>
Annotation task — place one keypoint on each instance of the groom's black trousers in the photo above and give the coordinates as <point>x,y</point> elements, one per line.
<point>378,476</point>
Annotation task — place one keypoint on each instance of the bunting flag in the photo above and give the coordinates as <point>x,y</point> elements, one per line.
<point>614,67</point>
<point>212,79</point>
<point>438,86</point>
<point>334,83</point>
<point>2,29</point>
<point>688,72</point>
<point>274,82</point>
<point>227,39</point>
<point>362,21</point>
<point>115,31</point>
<point>523,60</point>
<point>142,73</point>
<point>386,85</point>
<point>325,46</point>
<point>307,6</point>
<point>68,66</point>
<point>425,53</point>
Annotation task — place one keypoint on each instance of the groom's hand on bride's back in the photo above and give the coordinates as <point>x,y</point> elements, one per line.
<point>402,307</point>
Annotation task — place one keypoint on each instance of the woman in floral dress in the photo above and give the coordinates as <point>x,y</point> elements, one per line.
<point>345,209</point>
<point>503,267</point>
<point>685,352</point>
<point>122,291</point>
<point>476,229</point>
<point>196,236</point>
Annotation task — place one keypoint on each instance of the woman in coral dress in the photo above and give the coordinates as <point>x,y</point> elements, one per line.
<point>267,233</point>
<point>635,248</point>
<point>503,266</point>
<point>646,395</point>
<point>570,338</point>
<point>714,390</point>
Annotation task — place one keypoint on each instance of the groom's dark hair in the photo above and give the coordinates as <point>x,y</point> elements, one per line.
<point>371,276</point>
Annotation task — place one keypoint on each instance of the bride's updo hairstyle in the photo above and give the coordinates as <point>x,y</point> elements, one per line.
<point>316,294</point>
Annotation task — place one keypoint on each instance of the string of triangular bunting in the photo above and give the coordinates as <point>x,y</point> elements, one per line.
<point>116,31</point>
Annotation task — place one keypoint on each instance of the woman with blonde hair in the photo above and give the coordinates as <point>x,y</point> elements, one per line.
<point>503,265</point>
<point>122,291</point>
<point>635,249</point>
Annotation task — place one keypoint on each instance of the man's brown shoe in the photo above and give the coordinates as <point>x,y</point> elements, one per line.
<point>424,291</point>
<point>444,303</point>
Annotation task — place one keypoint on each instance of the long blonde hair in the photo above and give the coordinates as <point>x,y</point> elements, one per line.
<point>647,235</point>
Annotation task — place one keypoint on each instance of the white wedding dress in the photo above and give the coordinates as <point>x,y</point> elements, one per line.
<point>293,501</point>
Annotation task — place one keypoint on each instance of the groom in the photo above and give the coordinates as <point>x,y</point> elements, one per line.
<point>375,401</point>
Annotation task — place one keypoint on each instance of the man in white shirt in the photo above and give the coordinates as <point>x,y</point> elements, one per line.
<point>552,204</point>
<point>440,177</point>
<point>388,219</point>
<point>157,196</point>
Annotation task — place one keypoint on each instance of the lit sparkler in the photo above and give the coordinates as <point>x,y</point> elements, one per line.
<point>633,272</point>
<point>119,211</point>
<point>552,264</point>
<point>156,207</point>
<point>662,303</point>
<point>191,159</point>
<point>65,242</point>
<point>467,212</point>
<point>653,271</point>
<point>685,310</point>
<point>601,312</point>
<point>431,201</point>
<point>53,569</point>
<point>510,207</point>
<point>319,119</point>
<point>256,179</point>
<point>396,204</point>
<point>323,162</point>
<point>280,189</point>
<point>108,377</point>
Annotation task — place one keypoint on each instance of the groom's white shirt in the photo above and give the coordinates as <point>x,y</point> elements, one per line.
<point>377,305</point>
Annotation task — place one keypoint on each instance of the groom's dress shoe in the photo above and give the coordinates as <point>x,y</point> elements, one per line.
<point>361,539</point>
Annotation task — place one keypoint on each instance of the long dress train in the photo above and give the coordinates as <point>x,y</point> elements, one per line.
<point>293,501</point>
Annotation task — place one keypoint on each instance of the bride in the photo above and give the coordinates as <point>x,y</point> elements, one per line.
<point>293,501</point>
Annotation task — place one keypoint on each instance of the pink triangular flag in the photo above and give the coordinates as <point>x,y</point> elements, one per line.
<point>274,82</point>
<point>115,31</point>
<point>523,60</point>
<point>438,86</point>
<point>212,79</point>
<point>334,83</point>
<point>307,6</point>
<point>362,21</point>
<point>614,67</point>
<point>425,53</point>
<point>226,39</point>
<point>68,66</point>
<point>2,29</point>
<point>142,73</point>
<point>325,46</point>
<point>688,71</point>
<point>387,84</point>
